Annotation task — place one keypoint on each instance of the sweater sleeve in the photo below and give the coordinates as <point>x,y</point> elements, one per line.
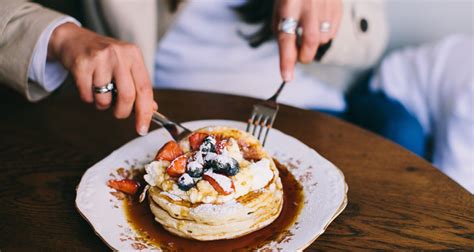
<point>21,26</point>
<point>362,35</point>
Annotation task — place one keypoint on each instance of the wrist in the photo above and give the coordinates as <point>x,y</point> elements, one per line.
<point>59,38</point>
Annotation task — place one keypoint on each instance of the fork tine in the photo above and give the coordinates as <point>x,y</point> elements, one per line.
<point>262,124</point>
<point>268,127</point>
<point>250,121</point>
<point>256,124</point>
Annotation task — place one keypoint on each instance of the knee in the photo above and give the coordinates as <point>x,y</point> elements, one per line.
<point>404,129</point>
<point>388,118</point>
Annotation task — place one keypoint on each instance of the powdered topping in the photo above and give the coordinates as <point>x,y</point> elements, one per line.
<point>195,167</point>
<point>230,208</point>
<point>185,182</point>
<point>211,156</point>
<point>224,159</point>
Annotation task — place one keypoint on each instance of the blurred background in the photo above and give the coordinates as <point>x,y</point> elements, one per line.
<point>437,79</point>
<point>411,23</point>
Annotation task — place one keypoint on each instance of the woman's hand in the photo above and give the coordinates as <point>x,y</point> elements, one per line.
<point>313,17</point>
<point>95,60</point>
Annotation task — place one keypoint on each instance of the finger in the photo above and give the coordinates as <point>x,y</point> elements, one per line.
<point>155,106</point>
<point>144,104</point>
<point>311,36</point>
<point>324,17</point>
<point>125,91</point>
<point>288,54</point>
<point>337,12</point>
<point>287,42</point>
<point>102,76</point>
<point>83,75</point>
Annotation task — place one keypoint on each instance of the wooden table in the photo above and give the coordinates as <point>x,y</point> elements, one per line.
<point>396,200</point>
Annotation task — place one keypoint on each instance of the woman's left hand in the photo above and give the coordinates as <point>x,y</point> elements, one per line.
<point>313,16</point>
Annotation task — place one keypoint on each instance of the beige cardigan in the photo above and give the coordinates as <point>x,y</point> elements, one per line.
<point>144,22</point>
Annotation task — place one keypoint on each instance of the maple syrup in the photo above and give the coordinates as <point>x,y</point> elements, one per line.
<point>142,221</point>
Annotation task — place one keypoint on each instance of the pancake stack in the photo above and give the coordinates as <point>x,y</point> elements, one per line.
<point>218,183</point>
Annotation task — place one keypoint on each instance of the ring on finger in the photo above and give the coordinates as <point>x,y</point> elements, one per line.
<point>109,87</point>
<point>325,26</point>
<point>288,25</point>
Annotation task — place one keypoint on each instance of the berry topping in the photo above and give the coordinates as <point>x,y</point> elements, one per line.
<point>127,186</point>
<point>208,145</point>
<point>177,166</point>
<point>169,151</point>
<point>196,139</point>
<point>185,182</point>
<point>195,167</point>
<point>233,168</point>
<point>220,145</point>
<point>222,184</point>
<point>224,165</point>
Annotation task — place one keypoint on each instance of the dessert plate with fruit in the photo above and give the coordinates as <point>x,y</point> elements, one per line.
<point>217,189</point>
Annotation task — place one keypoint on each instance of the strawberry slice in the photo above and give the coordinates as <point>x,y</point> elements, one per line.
<point>196,139</point>
<point>178,166</point>
<point>169,151</point>
<point>222,184</point>
<point>127,186</point>
<point>220,145</point>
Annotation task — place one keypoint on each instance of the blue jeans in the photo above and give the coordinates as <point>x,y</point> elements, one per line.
<point>384,116</point>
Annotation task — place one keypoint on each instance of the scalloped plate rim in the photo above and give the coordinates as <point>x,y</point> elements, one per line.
<point>340,209</point>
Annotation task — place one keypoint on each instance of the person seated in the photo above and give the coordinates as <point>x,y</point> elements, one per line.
<point>202,46</point>
<point>423,98</point>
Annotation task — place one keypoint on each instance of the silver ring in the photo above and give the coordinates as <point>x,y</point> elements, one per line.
<point>288,25</point>
<point>325,27</point>
<point>109,87</point>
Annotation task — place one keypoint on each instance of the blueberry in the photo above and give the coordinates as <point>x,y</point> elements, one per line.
<point>208,145</point>
<point>219,167</point>
<point>225,165</point>
<point>185,182</point>
<point>209,160</point>
<point>233,168</point>
<point>195,169</point>
<point>208,165</point>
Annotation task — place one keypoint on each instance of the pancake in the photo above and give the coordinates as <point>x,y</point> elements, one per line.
<point>229,185</point>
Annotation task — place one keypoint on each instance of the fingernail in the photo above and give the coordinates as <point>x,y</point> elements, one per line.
<point>143,130</point>
<point>287,76</point>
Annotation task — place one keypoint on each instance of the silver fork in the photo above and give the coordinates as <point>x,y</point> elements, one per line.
<point>263,116</point>
<point>176,130</point>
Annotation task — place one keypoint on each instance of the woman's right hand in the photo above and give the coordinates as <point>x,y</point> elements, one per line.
<point>95,60</point>
<point>310,15</point>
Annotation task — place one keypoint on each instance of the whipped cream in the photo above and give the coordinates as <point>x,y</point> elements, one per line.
<point>232,150</point>
<point>154,172</point>
<point>261,174</point>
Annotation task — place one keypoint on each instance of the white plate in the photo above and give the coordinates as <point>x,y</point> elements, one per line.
<point>323,183</point>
